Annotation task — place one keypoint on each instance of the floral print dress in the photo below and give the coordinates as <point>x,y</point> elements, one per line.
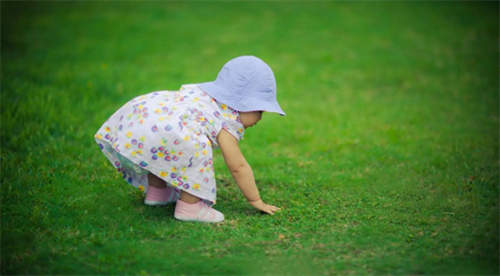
<point>171,134</point>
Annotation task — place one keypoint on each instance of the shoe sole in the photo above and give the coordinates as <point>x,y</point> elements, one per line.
<point>196,220</point>
<point>157,203</point>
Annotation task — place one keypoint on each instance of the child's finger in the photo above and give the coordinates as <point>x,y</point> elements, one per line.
<point>267,210</point>
<point>273,210</point>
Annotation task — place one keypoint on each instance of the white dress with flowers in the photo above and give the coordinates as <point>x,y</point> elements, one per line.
<point>170,134</point>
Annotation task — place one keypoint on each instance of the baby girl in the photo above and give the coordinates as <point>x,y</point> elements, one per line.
<point>162,142</point>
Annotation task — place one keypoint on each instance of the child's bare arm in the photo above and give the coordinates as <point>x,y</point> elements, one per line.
<point>241,171</point>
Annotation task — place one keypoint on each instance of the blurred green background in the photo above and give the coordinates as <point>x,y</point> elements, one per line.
<point>386,163</point>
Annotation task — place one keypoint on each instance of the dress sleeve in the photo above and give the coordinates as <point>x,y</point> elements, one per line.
<point>234,129</point>
<point>231,122</point>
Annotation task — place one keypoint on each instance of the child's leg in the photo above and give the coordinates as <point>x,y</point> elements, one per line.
<point>189,198</point>
<point>155,181</point>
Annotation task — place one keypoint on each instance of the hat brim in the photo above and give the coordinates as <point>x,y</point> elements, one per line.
<point>243,104</point>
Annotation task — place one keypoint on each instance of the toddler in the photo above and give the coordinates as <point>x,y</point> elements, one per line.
<point>162,142</point>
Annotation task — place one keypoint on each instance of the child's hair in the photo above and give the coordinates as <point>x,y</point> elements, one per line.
<point>246,84</point>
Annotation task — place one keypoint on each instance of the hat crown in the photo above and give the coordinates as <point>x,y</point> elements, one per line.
<point>248,76</point>
<point>246,84</point>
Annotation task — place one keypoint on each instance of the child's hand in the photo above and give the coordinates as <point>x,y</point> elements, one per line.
<point>259,204</point>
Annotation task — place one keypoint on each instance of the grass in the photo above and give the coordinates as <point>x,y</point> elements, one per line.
<point>387,162</point>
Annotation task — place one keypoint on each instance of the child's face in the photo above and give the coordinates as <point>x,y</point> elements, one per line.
<point>249,119</point>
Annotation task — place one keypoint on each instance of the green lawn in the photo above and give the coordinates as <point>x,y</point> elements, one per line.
<point>386,163</point>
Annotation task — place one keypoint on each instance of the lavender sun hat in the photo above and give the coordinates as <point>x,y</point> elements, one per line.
<point>245,84</point>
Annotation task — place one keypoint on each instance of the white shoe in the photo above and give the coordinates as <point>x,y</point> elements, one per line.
<point>199,211</point>
<point>161,196</point>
